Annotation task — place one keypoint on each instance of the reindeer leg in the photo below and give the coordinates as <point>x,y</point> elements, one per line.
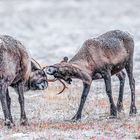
<point>107,79</point>
<point>5,109</point>
<point>82,102</point>
<point>121,75</point>
<point>129,70</point>
<point>20,91</point>
<point>9,105</point>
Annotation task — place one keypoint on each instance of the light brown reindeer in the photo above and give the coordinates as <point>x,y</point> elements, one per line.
<point>98,58</point>
<point>18,71</point>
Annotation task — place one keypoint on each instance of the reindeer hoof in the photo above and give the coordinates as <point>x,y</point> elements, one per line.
<point>113,112</point>
<point>112,117</point>
<point>24,122</point>
<point>76,118</point>
<point>8,123</point>
<point>133,110</point>
<point>120,107</point>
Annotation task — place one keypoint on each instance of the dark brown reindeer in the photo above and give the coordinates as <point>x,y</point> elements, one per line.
<point>18,71</point>
<point>98,58</point>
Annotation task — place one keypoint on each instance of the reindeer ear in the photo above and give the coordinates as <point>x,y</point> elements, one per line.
<point>34,67</point>
<point>65,59</point>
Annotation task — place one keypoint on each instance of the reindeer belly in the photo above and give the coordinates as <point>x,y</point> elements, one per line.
<point>118,68</point>
<point>118,61</point>
<point>113,68</point>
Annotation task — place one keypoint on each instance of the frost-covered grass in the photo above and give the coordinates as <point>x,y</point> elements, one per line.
<point>52,29</point>
<point>49,116</point>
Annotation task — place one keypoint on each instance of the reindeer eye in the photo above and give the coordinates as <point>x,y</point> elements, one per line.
<point>41,73</point>
<point>63,72</point>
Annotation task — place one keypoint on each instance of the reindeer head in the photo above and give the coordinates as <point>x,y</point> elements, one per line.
<point>38,78</point>
<point>61,70</point>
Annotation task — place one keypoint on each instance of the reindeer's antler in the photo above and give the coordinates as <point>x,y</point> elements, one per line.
<point>37,63</point>
<point>64,86</point>
<point>52,80</point>
<point>55,79</point>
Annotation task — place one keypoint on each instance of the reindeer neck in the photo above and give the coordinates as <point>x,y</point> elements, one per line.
<point>82,65</point>
<point>76,71</point>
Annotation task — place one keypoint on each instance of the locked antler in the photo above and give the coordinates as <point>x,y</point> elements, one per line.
<point>37,63</point>
<point>64,86</point>
<point>54,80</point>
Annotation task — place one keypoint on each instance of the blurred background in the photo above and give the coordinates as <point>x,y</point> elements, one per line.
<point>52,29</point>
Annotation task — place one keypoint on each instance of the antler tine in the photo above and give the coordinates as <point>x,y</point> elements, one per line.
<point>64,86</point>
<point>36,63</point>
<point>52,80</point>
<point>55,79</point>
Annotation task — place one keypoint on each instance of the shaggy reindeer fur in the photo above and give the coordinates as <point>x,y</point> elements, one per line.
<point>98,58</point>
<point>17,71</point>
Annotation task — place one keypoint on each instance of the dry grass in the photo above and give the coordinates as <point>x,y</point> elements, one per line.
<point>49,117</point>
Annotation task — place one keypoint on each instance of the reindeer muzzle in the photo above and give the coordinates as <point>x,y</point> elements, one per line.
<point>51,70</point>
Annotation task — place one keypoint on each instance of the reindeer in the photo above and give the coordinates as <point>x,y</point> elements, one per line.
<point>20,72</point>
<point>100,58</point>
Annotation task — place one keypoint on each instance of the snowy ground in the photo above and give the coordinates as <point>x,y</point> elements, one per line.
<point>52,29</point>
